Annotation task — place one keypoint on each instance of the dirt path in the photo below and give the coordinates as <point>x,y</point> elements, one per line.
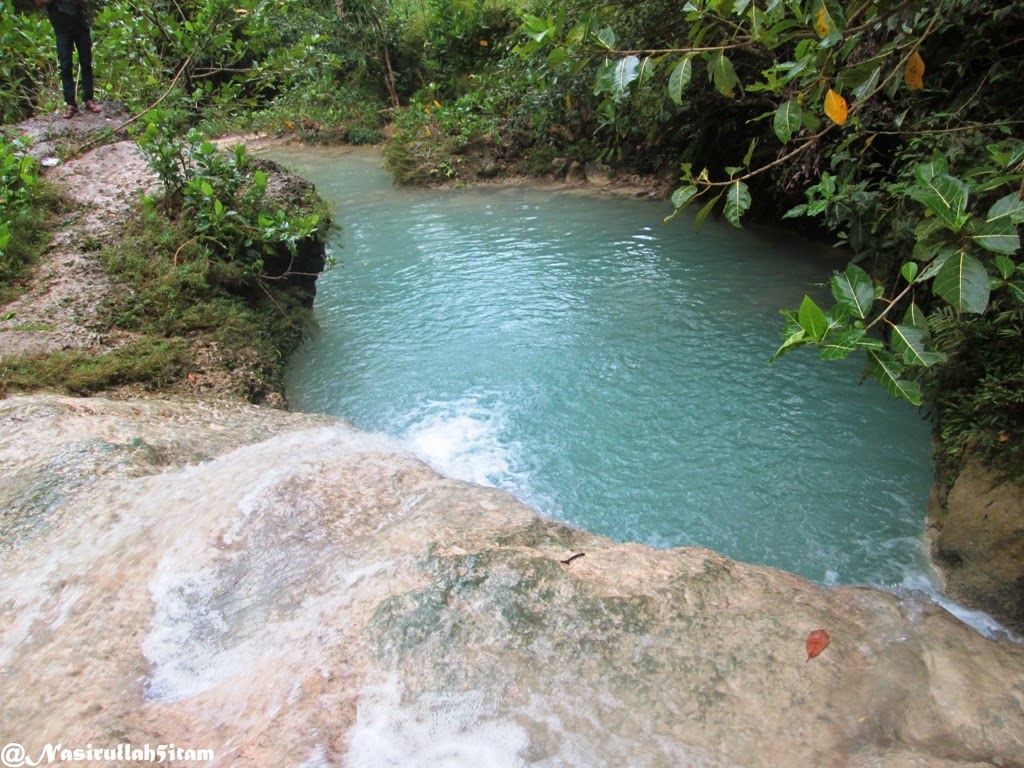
<point>59,311</point>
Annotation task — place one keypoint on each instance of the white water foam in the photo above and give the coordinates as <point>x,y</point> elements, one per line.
<point>979,620</point>
<point>466,439</point>
<point>224,590</point>
<point>397,729</point>
<point>440,731</point>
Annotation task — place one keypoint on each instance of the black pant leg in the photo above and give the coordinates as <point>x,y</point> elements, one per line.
<point>83,42</point>
<point>65,49</point>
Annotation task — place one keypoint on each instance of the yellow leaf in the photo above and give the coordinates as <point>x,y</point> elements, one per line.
<point>567,102</point>
<point>835,107</point>
<point>483,42</point>
<point>437,103</point>
<point>427,130</point>
<point>821,22</point>
<point>426,110</point>
<point>914,73</point>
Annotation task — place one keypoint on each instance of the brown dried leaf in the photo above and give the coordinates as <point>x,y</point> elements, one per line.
<point>817,641</point>
<point>913,75</point>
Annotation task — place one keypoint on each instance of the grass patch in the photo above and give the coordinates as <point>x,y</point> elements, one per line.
<point>45,327</point>
<point>172,289</point>
<point>30,230</point>
<point>155,363</point>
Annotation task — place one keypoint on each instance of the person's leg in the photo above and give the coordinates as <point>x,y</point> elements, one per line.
<point>65,48</point>
<point>83,42</point>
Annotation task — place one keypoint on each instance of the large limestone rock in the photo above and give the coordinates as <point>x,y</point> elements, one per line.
<point>285,590</point>
<point>978,539</point>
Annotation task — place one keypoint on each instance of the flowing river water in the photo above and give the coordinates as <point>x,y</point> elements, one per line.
<point>283,589</point>
<point>611,370</point>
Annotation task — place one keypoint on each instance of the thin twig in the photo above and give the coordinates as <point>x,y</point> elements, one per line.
<point>132,119</point>
<point>889,308</point>
<point>813,139</point>
<point>190,240</point>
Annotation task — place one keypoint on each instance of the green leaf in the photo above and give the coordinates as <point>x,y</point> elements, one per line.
<point>1005,266</point>
<point>723,75</point>
<point>935,260</point>
<point>205,188</point>
<point>683,196</point>
<point>795,211</point>
<point>854,79</point>
<point>812,319</point>
<point>788,120</point>
<point>870,344</point>
<point>792,322</point>
<point>1010,207</point>
<point>963,282</point>
<point>703,213</point>
<point>946,197</point>
<point>997,235</point>
<point>908,341</point>
<point>737,201</point>
<point>909,271</point>
<point>750,153</point>
<point>840,345</point>
<point>926,229</point>
<point>607,38</point>
<point>867,86</point>
<point>679,79</point>
<point>854,289</point>
<point>1016,290</point>
<point>557,57</point>
<point>937,166</point>
<point>838,314</point>
<point>794,340</point>
<point>889,372</point>
<point>646,71</point>
<point>915,318</point>
<point>615,76</point>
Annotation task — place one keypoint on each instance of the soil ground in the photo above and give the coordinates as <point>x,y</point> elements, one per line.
<point>61,304</point>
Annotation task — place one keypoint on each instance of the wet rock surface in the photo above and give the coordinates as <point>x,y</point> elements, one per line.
<point>286,590</point>
<point>978,540</point>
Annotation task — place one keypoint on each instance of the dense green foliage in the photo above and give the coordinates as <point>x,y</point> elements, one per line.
<point>221,197</point>
<point>214,260</point>
<point>890,126</point>
<point>19,176</point>
<point>26,203</point>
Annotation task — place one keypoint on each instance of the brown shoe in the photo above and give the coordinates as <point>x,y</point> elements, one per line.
<point>70,112</point>
<point>93,107</point>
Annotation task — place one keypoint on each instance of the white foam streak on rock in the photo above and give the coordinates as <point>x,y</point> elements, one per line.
<point>438,731</point>
<point>286,592</point>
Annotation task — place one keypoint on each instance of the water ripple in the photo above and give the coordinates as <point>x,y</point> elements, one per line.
<point>612,371</point>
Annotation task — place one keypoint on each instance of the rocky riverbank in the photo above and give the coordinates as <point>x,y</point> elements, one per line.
<point>285,590</point>
<point>76,305</point>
